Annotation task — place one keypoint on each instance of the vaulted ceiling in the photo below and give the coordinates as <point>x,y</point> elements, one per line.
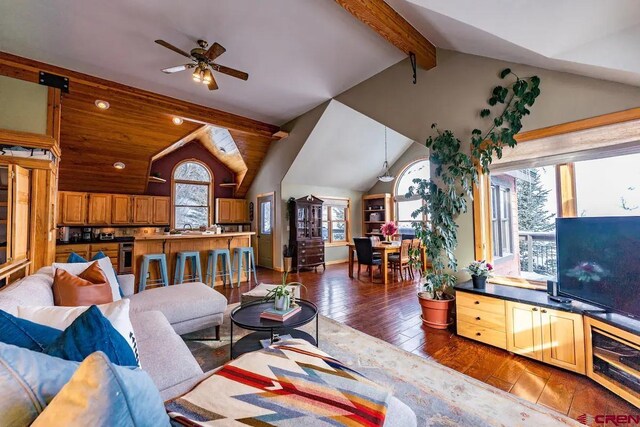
<point>594,38</point>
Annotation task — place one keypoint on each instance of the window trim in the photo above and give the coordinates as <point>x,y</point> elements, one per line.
<point>182,181</point>
<point>327,202</point>
<point>396,197</point>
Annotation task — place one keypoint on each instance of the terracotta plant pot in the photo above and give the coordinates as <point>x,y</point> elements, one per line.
<point>436,313</point>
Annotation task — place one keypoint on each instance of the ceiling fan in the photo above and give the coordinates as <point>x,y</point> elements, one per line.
<point>202,58</point>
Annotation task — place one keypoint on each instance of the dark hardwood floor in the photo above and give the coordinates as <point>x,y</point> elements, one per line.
<point>393,315</point>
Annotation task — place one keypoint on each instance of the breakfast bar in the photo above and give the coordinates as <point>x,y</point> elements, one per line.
<point>171,244</point>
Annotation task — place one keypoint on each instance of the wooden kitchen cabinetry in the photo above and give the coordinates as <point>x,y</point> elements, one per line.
<point>96,209</point>
<point>89,250</point>
<point>229,211</point>
<point>142,210</point>
<point>551,336</point>
<point>99,209</point>
<point>120,209</point>
<point>73,208</point>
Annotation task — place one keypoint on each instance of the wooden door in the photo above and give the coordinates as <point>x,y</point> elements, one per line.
<point>524,336</point>
<point>99,209</point>
<point>225,210</point>
<point>161,210</point>
<point>563,339</point>
<point>266,222</point>
<point>20,221</point>
<point>142,209</point>
<point>74,208</point>
<point>120,209</point>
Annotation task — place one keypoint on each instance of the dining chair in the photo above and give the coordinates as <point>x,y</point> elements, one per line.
<point>416,244</point>
<point>364,252</point>
<point>402,261</point>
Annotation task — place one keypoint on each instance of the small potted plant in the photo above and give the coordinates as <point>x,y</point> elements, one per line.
<point>480,271</point>
<point>283,295</point>
<point>388,230</point>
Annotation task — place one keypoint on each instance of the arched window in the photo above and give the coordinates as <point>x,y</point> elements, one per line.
<point>192,184</point>
<point>405,206</point>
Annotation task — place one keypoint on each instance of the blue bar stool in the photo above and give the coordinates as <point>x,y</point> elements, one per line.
<point>161,259</point>
<point>196,268</point>
<point>239,255</point>
<point>212,267</point>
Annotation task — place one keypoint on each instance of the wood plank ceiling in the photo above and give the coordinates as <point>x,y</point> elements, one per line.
<point>136,127</point>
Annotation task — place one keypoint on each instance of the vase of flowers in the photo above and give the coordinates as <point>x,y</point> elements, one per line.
<point>388,230</point>
<point>480,271</point>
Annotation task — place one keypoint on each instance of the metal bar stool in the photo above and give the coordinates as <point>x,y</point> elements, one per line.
<point>161,259</point>
<point>196,268</point>
<point>212,267</point>
<point>238,256</point>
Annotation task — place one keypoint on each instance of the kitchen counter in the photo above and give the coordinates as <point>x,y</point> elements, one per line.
<point>194,236</point>
<point>96,241</point>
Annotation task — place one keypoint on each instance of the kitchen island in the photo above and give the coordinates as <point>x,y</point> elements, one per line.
<point>171,244</point>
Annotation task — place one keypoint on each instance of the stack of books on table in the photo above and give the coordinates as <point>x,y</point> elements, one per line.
<point>280,315</point>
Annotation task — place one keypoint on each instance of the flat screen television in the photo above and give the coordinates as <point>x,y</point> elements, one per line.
<point>599,261</point>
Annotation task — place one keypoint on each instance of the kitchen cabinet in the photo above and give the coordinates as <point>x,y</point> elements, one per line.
<point>229,211</point>
<point>120,209</point>
<point>142,210</point>
<point>73,208</point>
<point>161,210</point>
<point>99,209</point>
<point>551,336</point>
<point>89,250</point>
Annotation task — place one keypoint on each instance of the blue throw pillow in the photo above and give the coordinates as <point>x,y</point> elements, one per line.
<point>30,380</point>
<point>102,394</point>
<point>26,334</point>
<point>75,258</point>
<point>89,333</point>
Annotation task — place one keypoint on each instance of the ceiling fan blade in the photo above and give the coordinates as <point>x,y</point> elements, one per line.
<point>176,69</point>
<point>214,51</point>
<point>230,71</point>
<point>213,85</point>
<point>173,48</point>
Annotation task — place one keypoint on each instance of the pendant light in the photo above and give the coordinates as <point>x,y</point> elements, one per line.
<point>386,175</point>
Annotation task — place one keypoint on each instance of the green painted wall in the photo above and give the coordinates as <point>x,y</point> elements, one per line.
<point>23,105</point>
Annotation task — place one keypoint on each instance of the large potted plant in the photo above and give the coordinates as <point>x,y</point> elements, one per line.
<point>456,169</point>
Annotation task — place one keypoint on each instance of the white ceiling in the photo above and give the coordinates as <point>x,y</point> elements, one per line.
<point>345,150</point>
<point>298,53</point>
<point>596,38</point>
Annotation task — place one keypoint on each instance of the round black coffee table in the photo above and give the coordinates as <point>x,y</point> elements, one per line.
<point>247,316</point>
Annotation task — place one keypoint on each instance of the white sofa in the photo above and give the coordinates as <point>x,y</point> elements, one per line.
<point>157,315</point>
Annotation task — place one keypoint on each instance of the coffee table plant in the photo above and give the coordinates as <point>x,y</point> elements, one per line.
<point>456,170</point>
<point>283,295</point>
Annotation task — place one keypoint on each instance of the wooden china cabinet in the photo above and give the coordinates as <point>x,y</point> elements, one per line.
<point>305,235</point>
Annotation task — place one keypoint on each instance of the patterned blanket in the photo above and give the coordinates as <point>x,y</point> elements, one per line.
<point>288,384</point>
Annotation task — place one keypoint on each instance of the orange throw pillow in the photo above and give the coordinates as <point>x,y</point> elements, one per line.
<point>88,288</point>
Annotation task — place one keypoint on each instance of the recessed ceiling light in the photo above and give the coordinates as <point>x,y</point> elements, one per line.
<point>103,105</point>
<point>177,120</point>
<point>119,165</point>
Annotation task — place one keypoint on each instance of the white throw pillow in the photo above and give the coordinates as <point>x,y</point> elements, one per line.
<point>76,268</point>
<point>61,317</point>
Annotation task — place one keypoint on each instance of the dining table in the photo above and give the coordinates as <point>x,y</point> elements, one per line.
<point>384,249</point>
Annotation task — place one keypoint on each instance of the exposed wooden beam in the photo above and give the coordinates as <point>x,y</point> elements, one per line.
<point>281,134</point>
<point>384,20</point>
<point>27,69</point>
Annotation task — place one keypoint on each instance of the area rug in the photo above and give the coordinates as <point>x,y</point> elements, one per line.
<point>438,395</point>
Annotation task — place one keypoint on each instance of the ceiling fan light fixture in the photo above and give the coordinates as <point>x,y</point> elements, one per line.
<point>196,75</point>
<point>207,77</point>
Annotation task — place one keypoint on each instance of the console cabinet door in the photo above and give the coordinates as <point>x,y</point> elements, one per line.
<point>73,208</point>
<point>161,210</point>
<point>20,215</point>
<point>524,336</point>
<point>240,211</point>
<point>99,209</point>
<point>563,339</point>
<point>120,209</point>
<point>142,209</point>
